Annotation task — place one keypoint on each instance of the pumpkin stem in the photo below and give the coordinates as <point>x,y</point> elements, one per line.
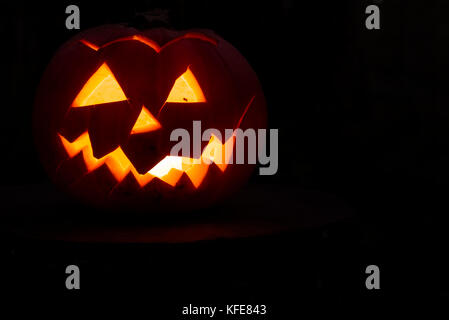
<point>150,19</point>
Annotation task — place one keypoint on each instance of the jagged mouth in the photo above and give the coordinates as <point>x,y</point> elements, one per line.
<point>170,169</point>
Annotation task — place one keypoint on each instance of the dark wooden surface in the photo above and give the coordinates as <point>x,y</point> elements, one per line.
<point>41,211</point>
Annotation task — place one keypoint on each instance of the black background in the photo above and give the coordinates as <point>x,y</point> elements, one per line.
<point>363,118</point>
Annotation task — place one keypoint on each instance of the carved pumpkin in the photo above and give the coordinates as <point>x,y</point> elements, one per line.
<point>112,95</point>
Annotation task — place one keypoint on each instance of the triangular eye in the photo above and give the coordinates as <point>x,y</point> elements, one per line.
<point>102,87</point>
<point>186,89</point>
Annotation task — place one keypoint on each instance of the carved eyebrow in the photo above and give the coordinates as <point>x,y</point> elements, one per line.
<point>191,35</point>
<point>152,44</point>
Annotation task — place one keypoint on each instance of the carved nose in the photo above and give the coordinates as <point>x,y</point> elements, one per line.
<point>144,144</point>
<point>146,122</point>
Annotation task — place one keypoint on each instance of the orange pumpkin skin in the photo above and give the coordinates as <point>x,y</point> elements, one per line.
<point>146,66</point>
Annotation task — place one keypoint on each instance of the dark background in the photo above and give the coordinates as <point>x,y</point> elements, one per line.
<point>363,120</point>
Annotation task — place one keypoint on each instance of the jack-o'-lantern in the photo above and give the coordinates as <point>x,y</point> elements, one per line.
<point>111,97</point>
